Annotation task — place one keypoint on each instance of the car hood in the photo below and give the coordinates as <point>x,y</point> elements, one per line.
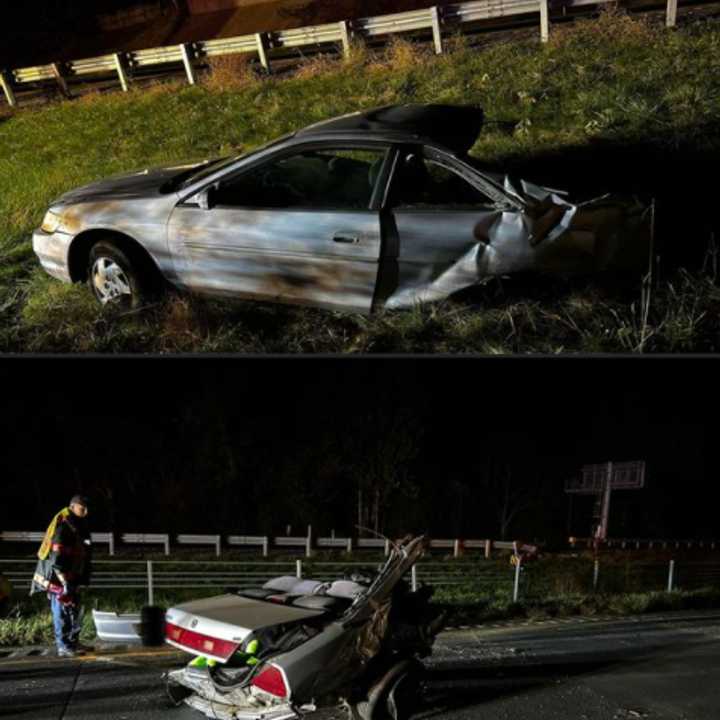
<point>142,183</point>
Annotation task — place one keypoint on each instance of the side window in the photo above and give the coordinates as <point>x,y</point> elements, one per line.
<point>332,179</point>
<point>423,183</point>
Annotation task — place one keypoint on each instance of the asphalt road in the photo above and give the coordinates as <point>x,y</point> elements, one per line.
<point>657,668</point>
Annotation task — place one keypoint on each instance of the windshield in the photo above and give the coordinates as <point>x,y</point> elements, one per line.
<point>219,164</point>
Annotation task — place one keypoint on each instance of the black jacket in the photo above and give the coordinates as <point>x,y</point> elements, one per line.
<point>70,554</point>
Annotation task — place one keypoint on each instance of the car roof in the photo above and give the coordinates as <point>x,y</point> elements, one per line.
<point>453,126</point>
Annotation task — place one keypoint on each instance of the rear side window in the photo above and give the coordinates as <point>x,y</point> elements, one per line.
<point>423,183</point>
<point>326,178</point>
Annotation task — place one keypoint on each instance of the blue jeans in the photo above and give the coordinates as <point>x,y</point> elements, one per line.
<point>66,623</point>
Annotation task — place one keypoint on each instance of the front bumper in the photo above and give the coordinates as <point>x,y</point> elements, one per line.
<point>52,252</point>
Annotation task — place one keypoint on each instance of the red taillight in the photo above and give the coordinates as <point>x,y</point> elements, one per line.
<point>203,644</point>
<point>271,680</point>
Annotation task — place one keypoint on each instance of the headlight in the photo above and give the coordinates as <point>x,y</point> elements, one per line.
<point>51,222</point>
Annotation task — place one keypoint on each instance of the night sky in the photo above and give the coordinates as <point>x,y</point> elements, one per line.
<point>249,445</point>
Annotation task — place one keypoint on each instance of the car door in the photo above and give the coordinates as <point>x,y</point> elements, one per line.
<point>445,229</point>
<point>297,227</point>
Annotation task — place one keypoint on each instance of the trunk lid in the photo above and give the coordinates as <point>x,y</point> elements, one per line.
<point>226,618</point>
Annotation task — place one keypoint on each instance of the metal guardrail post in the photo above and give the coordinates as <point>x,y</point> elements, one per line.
<point>262,47</point>
<point>150,589</point>
<point>60,79</point>
<point>671,13</point>
<point>544,21</point>
<point>349,545</point>
<point>413,578</point>
<point>671,576</point>
<point>488,549</point>
<point>265,546</point>
<point>387,548</point>
<point>166,542</point>
<point>345,37</point>
<point>111,544</point>
<point>217,546</point>
<point>516,585</point>
<point>298,568</point>
<point>437,35</point>
<point>596,574</point>
<point>187,54</point>
<point>6,82</point>
<point>122,75</point>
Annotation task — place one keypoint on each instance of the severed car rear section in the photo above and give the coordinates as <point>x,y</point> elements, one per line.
<point>273,652</point>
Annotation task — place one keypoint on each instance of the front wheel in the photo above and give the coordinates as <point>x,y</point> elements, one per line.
<point>114,278</point>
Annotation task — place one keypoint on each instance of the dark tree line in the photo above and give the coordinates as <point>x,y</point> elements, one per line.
<point>390,448</point>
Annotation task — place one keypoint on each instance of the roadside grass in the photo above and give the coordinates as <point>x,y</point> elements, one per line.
<point>610,103</point>
<point>466,607</point>
<point>548,316</point>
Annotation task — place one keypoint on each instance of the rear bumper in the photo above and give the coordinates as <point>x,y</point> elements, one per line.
<point>243,703</point>
<point>228,712</point>
<point>51,250</point>
<point>112,627</point>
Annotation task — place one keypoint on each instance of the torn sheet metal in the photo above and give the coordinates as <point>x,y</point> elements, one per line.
<point>440,256</point>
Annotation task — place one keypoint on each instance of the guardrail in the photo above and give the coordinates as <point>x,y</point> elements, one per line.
<point>333,542</point>
<point>37,537</point>
<point>200,540</point>
<point>648,543</point>
<point>305,542</point>
<point>250,541</point>
<point>436,21</point>
<point>148,539</point>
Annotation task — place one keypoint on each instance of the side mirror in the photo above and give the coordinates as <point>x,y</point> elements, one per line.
<point>205,199</point>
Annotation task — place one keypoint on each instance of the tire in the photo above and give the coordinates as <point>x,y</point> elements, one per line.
<point>403,698</point>
<point>393,696</point>
<point>115,277</point>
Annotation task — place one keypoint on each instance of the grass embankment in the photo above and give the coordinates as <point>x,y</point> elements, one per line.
<point>608,104</point>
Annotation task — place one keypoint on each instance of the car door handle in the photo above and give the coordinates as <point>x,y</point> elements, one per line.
<point>343,238</point>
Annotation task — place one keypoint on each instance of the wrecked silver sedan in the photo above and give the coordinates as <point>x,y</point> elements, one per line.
<point>375,209</point>
<point>272,653</point>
